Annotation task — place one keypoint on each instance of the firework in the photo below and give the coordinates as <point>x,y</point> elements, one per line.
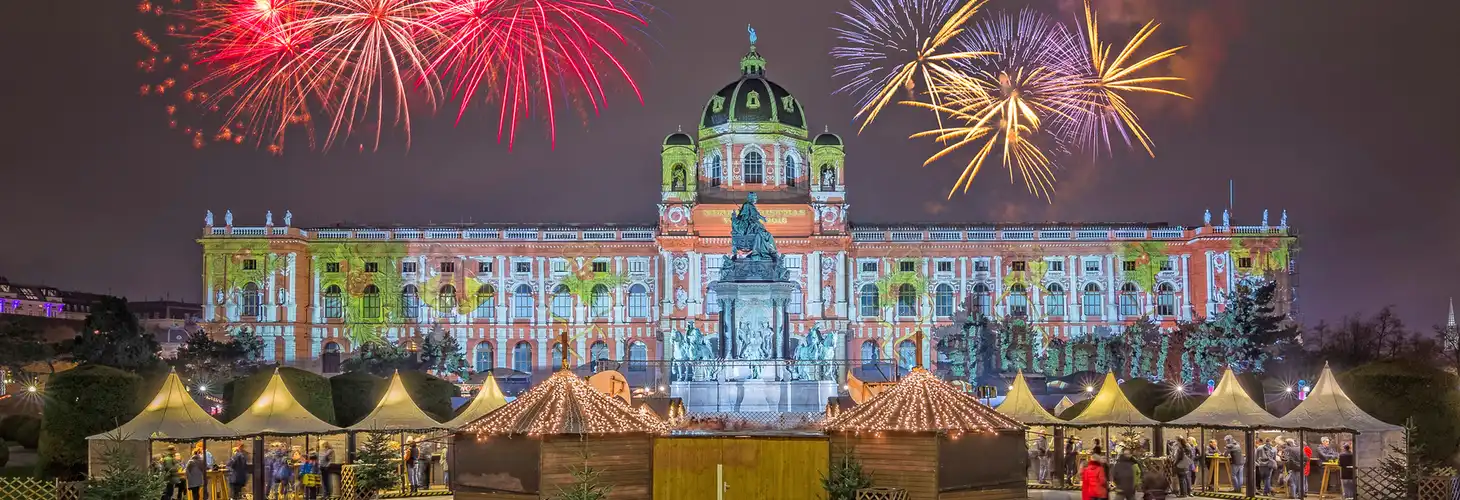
<point>516,51</point>
<point>894,44</point>
<point>1108,77</point>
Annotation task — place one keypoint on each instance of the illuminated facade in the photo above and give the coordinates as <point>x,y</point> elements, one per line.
<point>507,291</point>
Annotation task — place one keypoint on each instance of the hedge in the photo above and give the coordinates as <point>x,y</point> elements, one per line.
<point>1393,391</point>
<point>357,393</point>
<point>10,423</point>
<point>4,455</point>
<point>432,394</point>
<point>81,402</point>
<point>1178,407</point>
<point>312,391</point>
<point>28,435</point>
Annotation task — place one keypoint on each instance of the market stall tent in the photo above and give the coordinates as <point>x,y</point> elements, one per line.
<point>1020,404</point>
<point>277,413</point>
<point>172,415</point>
<point>1110,408</point>
<point>396,412</point>
<point>1328,409</point>
<point>1228,407</point>
<point>489,398</point>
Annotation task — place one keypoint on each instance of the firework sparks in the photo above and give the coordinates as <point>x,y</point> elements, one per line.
<point>1108,77</point>
<point>894,44</point>
<point>517,50</point>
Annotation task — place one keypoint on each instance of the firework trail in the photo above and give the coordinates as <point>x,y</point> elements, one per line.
<point>893,44</point>
<point>517,51</point>
<point>1108,78</point>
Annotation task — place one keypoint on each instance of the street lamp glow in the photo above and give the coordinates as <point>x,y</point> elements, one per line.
<point>1288,389</point>
<point>203,388</point>
<point>1089,388</point>
<point>30,388</point>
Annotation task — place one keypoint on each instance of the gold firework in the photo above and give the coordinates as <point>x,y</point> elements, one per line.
<point>1110,76</point>
<point>928,62</point>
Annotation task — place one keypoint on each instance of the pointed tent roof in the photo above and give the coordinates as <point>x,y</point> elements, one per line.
<point>276,412</point>
<point>1228,406</point>
<point>1328,408</point>
<point>396,411</point>
<point>922,403</point>
<point>565,404</point>
<point>1020,405</point>
<point>1110,407</point>
<point>172,415</point>
<point>486,400</point>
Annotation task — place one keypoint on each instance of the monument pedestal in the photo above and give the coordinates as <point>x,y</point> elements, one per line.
<point>754,396</point>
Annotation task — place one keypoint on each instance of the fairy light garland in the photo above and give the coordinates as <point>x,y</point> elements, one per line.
<point>565,404</point>
<point>922,403</point>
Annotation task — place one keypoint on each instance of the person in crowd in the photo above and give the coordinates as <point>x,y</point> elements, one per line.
<point>1097,449</point>
<point>278,467</point>
<point>326,468</point>
<point>196,474</point>
<point>1235,463</point>
<point>1346,472</point>
<point>237,473</point>
<point>1182,461</point>
<point>411,455</point>
<point>168,464</point>
<point>1307,467</point>
<point>1041,451</point>
<point>1295,463</point>
<point>1072,458</point>
<point>207,456</point>
<point>1124,474</point>
<point>1325,450</point>
<point>1092,480</point>
<point>1265,460</point>
<point>1209,459</point>
<point>309,477</point>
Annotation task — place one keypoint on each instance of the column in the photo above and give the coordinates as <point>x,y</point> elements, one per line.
<point>293,303</point>
<point>314,292</point>
<point>1111,292</point>
<point>813,286</point>
<point>775,159</point>
<point>666,283</point>
<point>652,267</point>
<point>962,280</point>
<point>696,292</point>
<point>925,305</point>
<point>540,268</point>
<point>841,284</point>
<point>503,348</point>
<point>618,292</point>
<point>1185,287</point>
<point>998,270</point>
<point>267,308</point>
<point>1209,285</point>
<point>288,345</point>
<point>1071,306</point>
<point>1231,272</point>
<point>500,269</point>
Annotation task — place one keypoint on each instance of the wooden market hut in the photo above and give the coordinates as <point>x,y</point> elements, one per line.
<point>171,416</point>
<point>528,449</point>
<point>1328,410</point>
<point>1019,404</point>
<point>276,413</point>
<point>1229,408</point>
<point>933,441</point>
<point>488,399</point>
<point>1110,408</point>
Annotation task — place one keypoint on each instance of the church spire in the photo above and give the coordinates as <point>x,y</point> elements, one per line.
<point>1450,321</point>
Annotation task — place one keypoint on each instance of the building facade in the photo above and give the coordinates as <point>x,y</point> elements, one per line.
<point>507,292</point>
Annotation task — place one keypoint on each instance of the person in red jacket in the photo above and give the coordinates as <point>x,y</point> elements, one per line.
<point>1093,483</point>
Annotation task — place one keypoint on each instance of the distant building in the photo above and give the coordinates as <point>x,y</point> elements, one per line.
<point>44,301</point>
<point>169,322</point>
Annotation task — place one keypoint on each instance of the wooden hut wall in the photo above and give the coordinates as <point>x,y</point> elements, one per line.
<point>965,470</point>
<point>495,468</point>
<point>906,461</point>
<point>625,461</point>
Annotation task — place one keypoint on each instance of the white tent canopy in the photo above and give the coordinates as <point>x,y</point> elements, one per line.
<point>172,415</point>
<point>489,398</point>
<point>1229,407</point>
<point>277,412</point>
<point>1019,404</point>
<point>1110,407</point>
<point>1328,408</point>
<point>396,411</point>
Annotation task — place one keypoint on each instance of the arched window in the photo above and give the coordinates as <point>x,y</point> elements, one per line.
<point>870,352</point>
<point>676,178</point>
<point>446,299</point>
<point>562,304</point>
<point>712,300</point>
<point>1166,300</point>
<point>1129,303</point>
<point>828,178</point>
<point>484,357</point>
<point>796,303</point>
<point>638,301</point>
<point>791,170</point>
<point>334,304</point>
<point>486,302</point>
<point>754,166</point>
<point>1094,305</point>
<point>982,303</point>
<point>598,351</point>
<point>716,170</point>
<point>331,358</point>
<point>907,300</point>
<point>907,354</point>
<point>601,301</point>
<point>522,357</point>
<point>1054,300</point>
<point>522,302</point>
<point>370,302</point>
<point>1018,300</point>
<point>943,300</point>
<point>870,305</point>
<point>638,356</point>
<point>410,301</point>
<point>252,300</point>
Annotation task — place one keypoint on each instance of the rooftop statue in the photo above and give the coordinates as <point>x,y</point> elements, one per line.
<point>748,232</point>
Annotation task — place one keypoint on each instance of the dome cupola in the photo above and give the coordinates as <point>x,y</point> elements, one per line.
<point>753,99</point>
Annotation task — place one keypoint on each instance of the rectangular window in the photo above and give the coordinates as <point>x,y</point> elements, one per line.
<point>869,266</point>
<point>448,267</point>
<point>372,267</point>
<point>638,266</point>
<point>945,266</point>
<point>1019,265</point>
<point>600,267</point>
<point>1056,266</point>
<point>250,265</point>
<point>981,266</point>
<point>522,266</point>
<point>559,266</point>
<point>1166,265</point>
<point>332,267</point>
<point>907,266</point>
<point>408,267</point>
<point>1128,266</point>
<point>484,267</point>
<point>1092,265</point>
<point>792,262</point>
<point>1244,262</point>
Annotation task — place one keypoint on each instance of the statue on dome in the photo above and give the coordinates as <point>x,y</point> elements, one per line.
<point>208,218</point>
<point>288,217</point>
<point>750,30</point>
<point>1264,217</point>
<point>1226,218</point>
<point>1206,218</point>
<point>228,217</point>
<point>268,217</point>
<point>748,232</point>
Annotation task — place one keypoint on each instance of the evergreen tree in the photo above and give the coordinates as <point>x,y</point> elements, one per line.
<point>203,356</point>
<point>111,336</point>
<point>1404,466</point>
<point>376,469</point>
<point>1250,325</point>
<point>429,352</point>
<point>587,483</point>
<point>22,342</point>
<point>845,478</point>
<point>123,478</point>
<point>452,357</point>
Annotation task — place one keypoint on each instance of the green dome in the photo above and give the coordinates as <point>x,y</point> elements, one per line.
<point>678,139</point>
<point>828,139</point>
<point>753,99</point>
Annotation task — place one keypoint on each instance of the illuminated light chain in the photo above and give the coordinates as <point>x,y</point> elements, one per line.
<point>922,403</point>
<point>565,404</point>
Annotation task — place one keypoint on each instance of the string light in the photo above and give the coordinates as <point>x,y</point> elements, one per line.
<point>565,404</point>
<point>922,403</point>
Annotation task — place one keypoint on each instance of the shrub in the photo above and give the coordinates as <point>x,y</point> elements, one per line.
<point>29,433</point>
<point>81,402</point>
<point>355,394</point>
<point>312,391</point>
<point>4,455</point>
<point>9,424</point>
<point>432,394</point>
<point>1394,391</point>
<point>845,478</point>
<point>124,479</point>
<point>1075,409</point>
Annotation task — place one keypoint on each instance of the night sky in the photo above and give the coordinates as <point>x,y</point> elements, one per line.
<point>1342,112</point>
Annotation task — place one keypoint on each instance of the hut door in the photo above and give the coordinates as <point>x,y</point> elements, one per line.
<point>746,468</point>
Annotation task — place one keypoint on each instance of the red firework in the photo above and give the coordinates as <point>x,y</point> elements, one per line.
<point>512,49</point>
